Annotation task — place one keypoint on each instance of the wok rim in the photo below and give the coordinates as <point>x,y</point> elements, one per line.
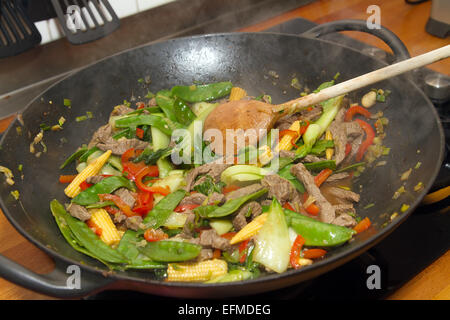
<point>309,272</point>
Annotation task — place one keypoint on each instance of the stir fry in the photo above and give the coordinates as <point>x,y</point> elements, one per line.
<point>280,205</point>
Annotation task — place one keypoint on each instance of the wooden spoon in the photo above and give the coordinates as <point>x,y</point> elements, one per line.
<point>258,115</point>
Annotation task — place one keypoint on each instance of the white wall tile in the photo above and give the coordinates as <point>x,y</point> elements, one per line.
<point>42,27</point>
<point>124,8</point>
<point>148,4</point>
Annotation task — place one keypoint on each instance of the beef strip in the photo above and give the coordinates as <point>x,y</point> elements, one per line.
<point>210,238</point>
<point>337,129</point>
<point>205,254</point>
<point>343,195</point>
<point>78,212</point>
<point>127,196</point>
<point>279,188</point>
<point>287,154</point>
<point>337,176</point>
<point>285,122</point>
<point>355,136</point>
<point>134,222</point>
<point>118,147</point>
<point>196,198</point>
<point>344,220</point>
<point>121,110</point>
<point>243,191</point>
<point>214,170</point>
<point>240,220</point>
<point>344,208</point>
<point>312,114</point>
<point>312,158</point>
<point>188,225</point>
<point>94,179</point>
<point>216,198</point>
<point>120,217</point>
<point>103,134</point>
<point>327,212</point>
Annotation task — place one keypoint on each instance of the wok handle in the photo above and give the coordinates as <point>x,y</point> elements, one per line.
<point>61,282</point>
<point>398,48</point>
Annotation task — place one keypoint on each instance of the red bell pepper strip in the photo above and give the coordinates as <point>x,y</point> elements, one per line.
<point>294,136</point>
<point>144,203</point>
<point>184,207</point>
<point>370,135</point>
<point>314,253</point>
<point>112,210</point>
<point>296,250</point>
<point>243,250</point>
<point>151,171</point>
<point>132,169</point>
<point>348,149</point>
<point>94,227</point>
<point>354,110</point>
<point>118,202</point>
<point>288,206</point>
<point>322,176</point>
<point>84,185</point>
<point>152,235</point>
<point>139,133</point>
<point>67,178</point>
<point>229,189</point>
<point>363,225</point>
<point>228,235</point>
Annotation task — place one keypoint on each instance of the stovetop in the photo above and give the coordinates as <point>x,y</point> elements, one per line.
<point>414,245</point>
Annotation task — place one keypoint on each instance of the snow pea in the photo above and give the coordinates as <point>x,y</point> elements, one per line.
<point>233,275</point>
<point>128,248</point>
<point>171,251</point>
<point>163,124</point>
<point>183,112</point>
<point>162,210</point>
<point>228,207</point>
<point>320,165</point>
<point>165,102</point>
<point>94,247</point>
<point>107,185</point>
<point>73,157</point>
<point>206,92</point>
<point>317,233</point>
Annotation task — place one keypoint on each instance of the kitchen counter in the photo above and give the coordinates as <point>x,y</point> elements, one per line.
<point>407,21</point>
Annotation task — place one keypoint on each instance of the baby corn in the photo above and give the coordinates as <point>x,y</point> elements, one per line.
<point>108,232</point>
<point>250,229</point>
<point>237,94</point>
<point>197,271</point>
<point>73,189</point>
<point>330,151</point>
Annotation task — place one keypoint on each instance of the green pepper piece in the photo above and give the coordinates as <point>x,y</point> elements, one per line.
<point>86,237</point>
<point>86,155</point>
<point>128,248</point>
<point>163,124</point>
<point>162,210</point>
<point>73,157</point>
<point>183,112</point>
<point>206,92</point>
<point>165,102</point>
<point>228,207</point>
<point>318,233</point>
<point>171,251</point>
<point>107,185</point>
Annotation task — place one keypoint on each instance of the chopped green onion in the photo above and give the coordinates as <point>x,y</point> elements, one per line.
<point>89,114</point>
<point>15,194</point>
<point>404,207</point>
<point>80,118</point>
<point>370,205</point>
<point>67,103</point>
<point>418,164</point>
<point>20,167</point>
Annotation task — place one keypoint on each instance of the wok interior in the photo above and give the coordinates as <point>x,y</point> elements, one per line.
<point>245,59</point>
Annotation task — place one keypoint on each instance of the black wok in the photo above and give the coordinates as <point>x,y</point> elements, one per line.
<point>244,58</point>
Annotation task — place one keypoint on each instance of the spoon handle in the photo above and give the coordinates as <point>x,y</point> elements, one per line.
<point>363,80</point>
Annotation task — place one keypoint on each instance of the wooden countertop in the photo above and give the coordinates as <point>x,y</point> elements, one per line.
<point>407,21</point>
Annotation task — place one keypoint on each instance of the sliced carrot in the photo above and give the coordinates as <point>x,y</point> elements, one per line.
<point>67,179</point>
<point>313,209</point>
<point>363,225</point>
<point>314,253</point>
<point>217,253</point>
<point>322,176</point>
